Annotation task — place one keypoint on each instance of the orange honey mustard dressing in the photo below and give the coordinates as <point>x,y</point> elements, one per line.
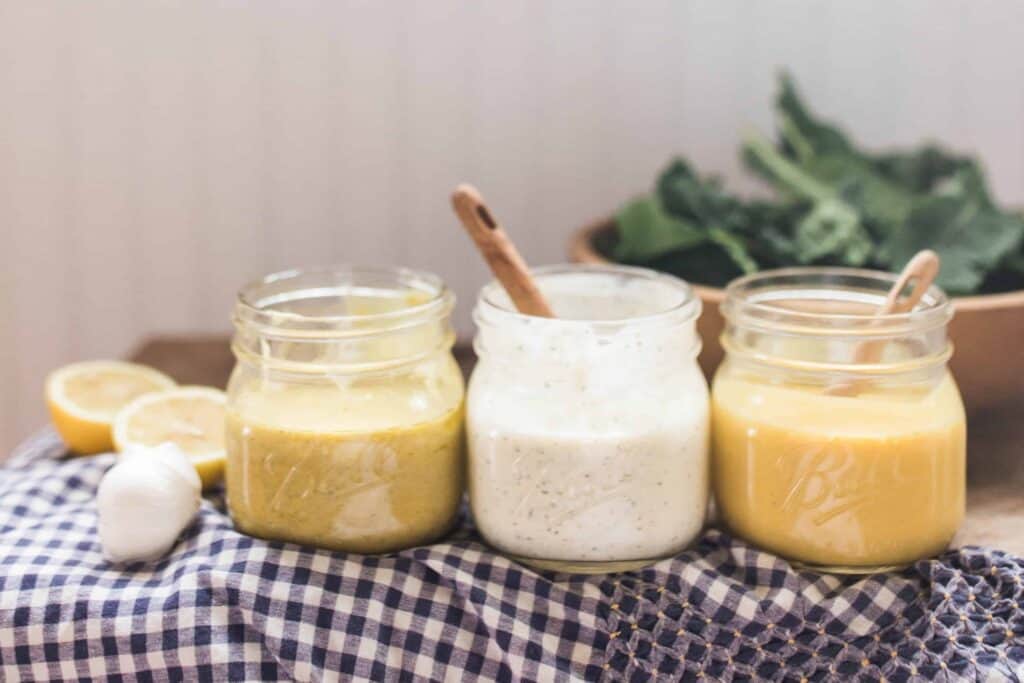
<point>871,480</point>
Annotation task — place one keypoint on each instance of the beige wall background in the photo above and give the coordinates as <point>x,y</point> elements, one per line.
<point>156,155</point>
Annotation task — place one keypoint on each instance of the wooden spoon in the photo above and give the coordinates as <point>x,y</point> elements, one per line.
<point>499,252</point>
<point>921,269</point>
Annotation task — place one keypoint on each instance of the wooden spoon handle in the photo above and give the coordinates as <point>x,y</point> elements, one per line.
<point>922,269</point>
<point>499,252</point>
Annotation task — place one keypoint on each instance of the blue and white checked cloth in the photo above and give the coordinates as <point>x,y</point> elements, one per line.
<point>224,606</point>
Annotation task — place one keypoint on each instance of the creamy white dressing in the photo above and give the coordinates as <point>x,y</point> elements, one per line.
<point>588,435</point>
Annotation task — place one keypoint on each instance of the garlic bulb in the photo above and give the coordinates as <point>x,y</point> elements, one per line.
<point>145,501</point>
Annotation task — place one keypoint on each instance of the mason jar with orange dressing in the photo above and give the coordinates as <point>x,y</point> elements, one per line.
<point>856,480</point>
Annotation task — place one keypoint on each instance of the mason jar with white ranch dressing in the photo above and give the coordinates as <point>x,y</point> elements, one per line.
<point>588,433</point>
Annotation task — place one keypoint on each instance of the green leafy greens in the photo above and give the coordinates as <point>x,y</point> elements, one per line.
<point>836,205</point>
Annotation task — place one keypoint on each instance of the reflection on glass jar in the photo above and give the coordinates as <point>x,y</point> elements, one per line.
<point>588,433</point>
<point>344,425</point>
<point>843,480</point>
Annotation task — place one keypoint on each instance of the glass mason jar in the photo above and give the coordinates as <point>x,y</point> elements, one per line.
<point>588,434</point>
<point>345,419</point>
<point>833,462</point>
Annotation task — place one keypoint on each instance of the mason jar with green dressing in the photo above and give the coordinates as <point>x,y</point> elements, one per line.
<point>345,410</point>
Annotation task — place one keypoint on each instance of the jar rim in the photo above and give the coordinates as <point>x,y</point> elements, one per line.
<point>255,299</point>
<point>686,309</point>
<point>745,302</point>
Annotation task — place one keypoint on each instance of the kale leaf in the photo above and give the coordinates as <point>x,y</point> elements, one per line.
<point>689,220</point>
<point>970,238</point>
<point>647,231</point>
<point>836,204</point>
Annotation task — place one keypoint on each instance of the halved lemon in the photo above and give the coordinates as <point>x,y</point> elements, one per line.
<point>84,398</point>
<point>190,417</point>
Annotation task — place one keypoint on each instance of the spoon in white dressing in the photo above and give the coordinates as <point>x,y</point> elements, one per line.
<point>499,252</point>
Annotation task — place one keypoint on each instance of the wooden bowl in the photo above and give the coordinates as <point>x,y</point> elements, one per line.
<point>987,331</point>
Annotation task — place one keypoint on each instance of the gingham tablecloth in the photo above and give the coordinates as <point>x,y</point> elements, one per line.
<point>224,606</point>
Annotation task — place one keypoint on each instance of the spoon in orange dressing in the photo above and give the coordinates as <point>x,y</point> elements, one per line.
<point>921,270</point>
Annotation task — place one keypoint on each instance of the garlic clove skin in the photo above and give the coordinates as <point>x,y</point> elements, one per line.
<point>169,455</point>
<point>145,501</point>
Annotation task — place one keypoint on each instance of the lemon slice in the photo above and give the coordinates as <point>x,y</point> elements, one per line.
<point>84,398</point>
<point>190,417</point>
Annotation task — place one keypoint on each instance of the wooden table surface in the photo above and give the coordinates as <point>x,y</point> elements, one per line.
<point>995,471</point>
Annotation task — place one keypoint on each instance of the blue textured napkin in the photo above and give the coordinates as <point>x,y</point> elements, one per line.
<point>226,606</point>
